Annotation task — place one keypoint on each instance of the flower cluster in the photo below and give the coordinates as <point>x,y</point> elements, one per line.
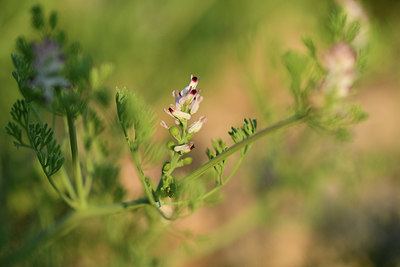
<point>48,65</point>
<point>340,64</point>
<point>187,103</point>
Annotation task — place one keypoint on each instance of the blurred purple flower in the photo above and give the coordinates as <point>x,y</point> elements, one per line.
<point>48,65</point>
<point>340,64</point>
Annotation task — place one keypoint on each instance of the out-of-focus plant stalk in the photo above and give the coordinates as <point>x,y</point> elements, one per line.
<point>65,224</point>
<point>75,162</point>
<point>67,183</point>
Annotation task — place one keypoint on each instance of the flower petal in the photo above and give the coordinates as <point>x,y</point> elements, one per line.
<point>192,85</point>
<point>163,124</point>
<point>196,126</point>
<point>195,104</point>
<point>194,81</point>
<point>178,114</point>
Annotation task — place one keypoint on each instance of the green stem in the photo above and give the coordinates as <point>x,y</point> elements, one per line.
<point>89,175</point>
<point>65,225</point>
<point>211,163</point>
<point>117,208</point>
<point>68,200</point>
<point>49,178</point>
<point>23,145</point>
<point>67,183</point>
<point>221,174</point>
<point>226,180</point>
<point>142,178</point>
<point>184,130</point>
<point>75,161</point>
<point>174,161</point>
<point>36,113</point>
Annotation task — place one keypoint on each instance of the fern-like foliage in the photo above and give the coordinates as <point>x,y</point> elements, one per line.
<point>135,116</point>
<point>47,150</point>
<point>40,138</point>
<point>248,129</point>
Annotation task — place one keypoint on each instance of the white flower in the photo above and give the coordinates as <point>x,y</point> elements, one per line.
<point>192,85</point>
<point>184,98</point>
<point>196,126</point>
<point>177,114</point>
<point>194,81</point>
<point>187,102</point>
<point>186,148</point>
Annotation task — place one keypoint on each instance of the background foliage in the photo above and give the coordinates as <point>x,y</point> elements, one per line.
<point>299,199</point>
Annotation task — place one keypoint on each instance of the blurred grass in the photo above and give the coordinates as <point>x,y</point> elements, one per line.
<point>316,191</point>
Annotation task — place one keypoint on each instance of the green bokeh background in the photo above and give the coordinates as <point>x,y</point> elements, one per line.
<point>301,199</point>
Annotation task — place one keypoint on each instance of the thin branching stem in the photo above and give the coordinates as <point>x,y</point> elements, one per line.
<point>142,178</point>
<point>202,169</point>
<point>67,182</point>
<point>49,178</point>
<point>36,113</point>
<point>67,199</point>
<point>75,161</point>
<point>215,189</point>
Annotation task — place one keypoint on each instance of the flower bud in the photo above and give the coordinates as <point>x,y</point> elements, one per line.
<point>170,145</point>
<point>174,131</point>
<point>166,167</point>
<point>185,161</point>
